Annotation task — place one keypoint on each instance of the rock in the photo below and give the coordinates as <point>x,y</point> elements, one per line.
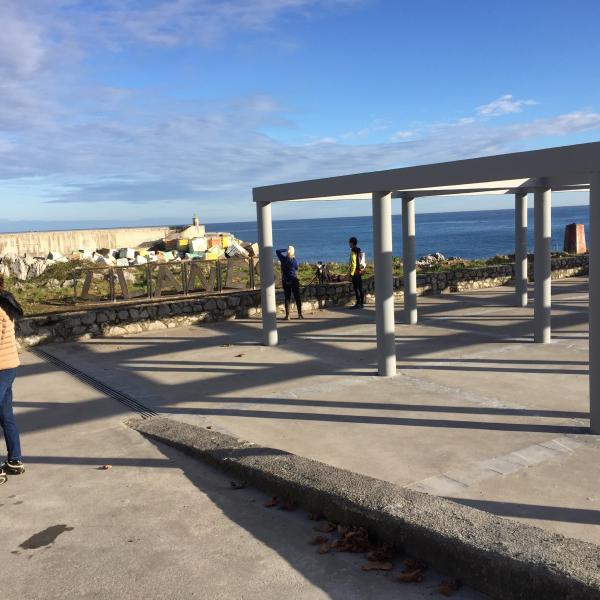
<point>68,283</point>
<point>19,269</point>
<point>36,269</point>
<point>53,283</point>
<point>128,253</point>
<point>430,259</point>
<point>122,262</point>
<point>88,318</point>
<point>105,261</point>
<point>140,260</point>
<point>130,276</point>
<point>234,301</point>
<point>10,258</point>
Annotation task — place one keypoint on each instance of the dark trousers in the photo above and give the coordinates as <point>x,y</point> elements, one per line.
<point>7,419</point>
<point>289,288</point>
<point>357,283</point>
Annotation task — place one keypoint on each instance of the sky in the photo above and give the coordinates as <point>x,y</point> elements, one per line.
<point>153,110</point>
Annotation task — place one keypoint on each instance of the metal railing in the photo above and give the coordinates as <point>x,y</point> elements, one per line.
<point>155,280</point>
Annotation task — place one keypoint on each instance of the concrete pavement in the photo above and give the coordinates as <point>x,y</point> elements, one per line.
<point>478,412</point>
<point>157,524</point>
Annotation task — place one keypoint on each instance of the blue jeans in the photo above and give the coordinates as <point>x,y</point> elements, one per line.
<point>7,418</point>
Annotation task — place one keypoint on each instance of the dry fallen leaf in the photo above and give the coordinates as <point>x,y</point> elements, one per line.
<point>288,505</point>
<point>381,553</point>
<point>318,540</point>
<point>105,467</point>
<point>237,486</point>
<point>449,587</point>
<point>326,527</point>
<point>239,355</point>
<point>353,540</point>
<point>412,563</point>
<point>209,427</point>
<point>271,502</point>
<point>377,566</point>
<point>324,549</point>
<point>415,576</point>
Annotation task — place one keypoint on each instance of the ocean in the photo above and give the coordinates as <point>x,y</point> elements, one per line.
<point>473,234</point>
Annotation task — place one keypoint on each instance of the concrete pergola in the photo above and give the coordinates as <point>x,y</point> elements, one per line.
<point>567,168</point>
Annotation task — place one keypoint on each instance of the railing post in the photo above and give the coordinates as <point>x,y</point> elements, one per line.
<point>111,284</point>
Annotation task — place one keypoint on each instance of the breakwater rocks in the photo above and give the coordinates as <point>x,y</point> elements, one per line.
<point>122,318</point>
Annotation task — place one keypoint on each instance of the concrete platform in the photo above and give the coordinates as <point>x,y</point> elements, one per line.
<point>157,524</point>
<point>478,412</point>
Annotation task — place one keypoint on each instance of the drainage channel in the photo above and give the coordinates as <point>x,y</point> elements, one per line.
<point>121,397</point>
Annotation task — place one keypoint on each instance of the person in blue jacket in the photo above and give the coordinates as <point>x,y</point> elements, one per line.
<point>289,279</point>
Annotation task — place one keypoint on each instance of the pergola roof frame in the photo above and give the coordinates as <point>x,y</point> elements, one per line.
<point>566,168</point>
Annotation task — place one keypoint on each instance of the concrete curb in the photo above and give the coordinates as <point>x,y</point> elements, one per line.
<point>502,558</point>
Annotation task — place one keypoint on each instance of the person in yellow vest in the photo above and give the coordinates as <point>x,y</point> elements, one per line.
<point>356,267</point>
<point>9,361</point>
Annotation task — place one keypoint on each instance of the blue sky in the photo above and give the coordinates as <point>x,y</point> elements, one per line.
<point>153,110</point>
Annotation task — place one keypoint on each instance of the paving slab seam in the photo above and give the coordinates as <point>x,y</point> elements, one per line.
<point>471,398</point>
<point>536,454</point>
<point>502,558</point>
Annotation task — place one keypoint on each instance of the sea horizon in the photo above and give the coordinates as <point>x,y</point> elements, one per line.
<point>464,234</point>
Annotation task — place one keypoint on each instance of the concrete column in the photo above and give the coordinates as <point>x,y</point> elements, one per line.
<point>384,283</point>
<point>594,316</point>
<point>521,248</point>
<point>541,266</point>
<point>409,258</point>
<point>267,274</point>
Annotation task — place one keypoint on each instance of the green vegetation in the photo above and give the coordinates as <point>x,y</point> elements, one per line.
<point>53,290</point>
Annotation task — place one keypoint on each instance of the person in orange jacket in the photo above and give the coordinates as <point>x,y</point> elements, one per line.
<point>9,361</point>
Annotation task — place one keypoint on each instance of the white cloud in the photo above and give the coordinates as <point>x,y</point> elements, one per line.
<point>21,45</point>
<point>503,106</point>
<point>189,22</point>
<point>116,145</point>
<point>374,127</point>
<point>400,136</point>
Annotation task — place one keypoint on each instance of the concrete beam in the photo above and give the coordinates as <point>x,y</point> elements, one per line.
<point>521,248</point>
<point>267,274</point>
<point>384,283</point>
<point>409,259</point>
<point>542,266</point>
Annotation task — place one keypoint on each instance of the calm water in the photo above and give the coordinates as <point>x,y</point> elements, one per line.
<point>476,234</point>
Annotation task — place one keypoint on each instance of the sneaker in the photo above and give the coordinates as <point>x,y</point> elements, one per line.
<point>13,467</point>
<point>356,306</point>
<point>3,477</point>
<point>301,316</point>
<point>361,306</point>
<point>286,318</point>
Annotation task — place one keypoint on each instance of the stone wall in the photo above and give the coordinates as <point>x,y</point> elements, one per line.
<point>123,318</point>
